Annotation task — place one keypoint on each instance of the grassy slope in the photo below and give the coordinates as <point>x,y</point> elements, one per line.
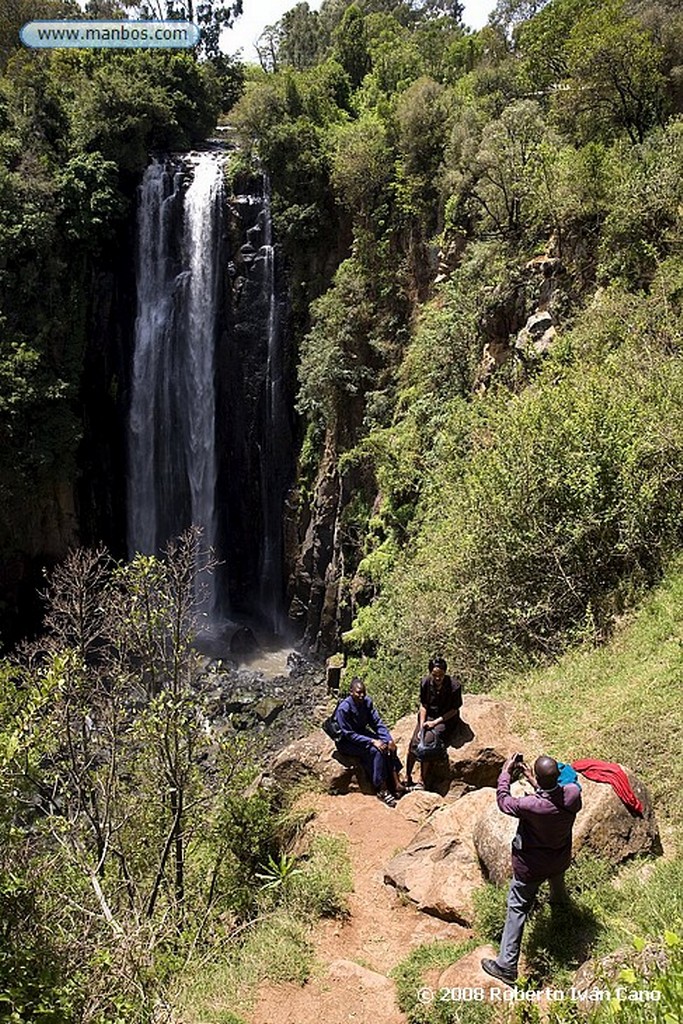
<point>622,702</point>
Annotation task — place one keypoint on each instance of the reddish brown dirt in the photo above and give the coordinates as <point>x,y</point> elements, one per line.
<point>354,957</point>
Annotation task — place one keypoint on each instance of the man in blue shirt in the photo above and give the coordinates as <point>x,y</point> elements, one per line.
<point>365,736</point>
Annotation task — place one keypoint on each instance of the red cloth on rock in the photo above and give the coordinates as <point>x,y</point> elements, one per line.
<point>614,774</point>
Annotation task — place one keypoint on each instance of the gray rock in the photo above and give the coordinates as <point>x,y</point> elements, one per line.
<point>439,871</point>
<point>267,709</point>
<point>538,334</point>
<point>315,758</point>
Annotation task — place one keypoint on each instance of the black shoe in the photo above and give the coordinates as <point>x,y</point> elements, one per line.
<point>386,797</point>
<point>491,967</point>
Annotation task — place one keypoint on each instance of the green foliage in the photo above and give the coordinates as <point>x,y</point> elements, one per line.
<point>534,530</point>
<point>490,902</point>
<point>129,103</point>
<point>303,39</point>
<point>644,220</point>
<point>409,976</point>
<point>614,75</point>
<point>276,948</point>
<point>323,881</point>
<point>335,356</point>
<point>361,164</point>
<point>351,46</point>
<point>142,839</point>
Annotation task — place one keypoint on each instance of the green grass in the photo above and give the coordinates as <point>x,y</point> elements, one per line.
<point>409,976</point>
<point>621,702</point>
<point>324,880</point>
<point>276,949</point>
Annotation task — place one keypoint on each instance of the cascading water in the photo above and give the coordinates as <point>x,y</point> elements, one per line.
<point>172,446</point>
<point>209,430</point>
<point>270,568</point>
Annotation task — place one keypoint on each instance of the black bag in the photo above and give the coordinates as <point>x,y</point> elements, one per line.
<point>430,746</point>
<point>331,726</point>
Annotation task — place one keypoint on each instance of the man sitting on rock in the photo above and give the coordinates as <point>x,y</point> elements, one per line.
<point>365,736</point>
<point>541,850</point>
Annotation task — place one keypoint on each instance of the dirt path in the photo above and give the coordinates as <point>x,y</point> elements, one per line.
<point>355,957</point>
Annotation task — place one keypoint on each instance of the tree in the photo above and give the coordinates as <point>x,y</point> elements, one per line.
<point>268,47</point>
<point>423,125</point>
<point>361,164</point>
<point>351,45</point>
<point>303,39</point>
<point>440,9</point>
<point>502,165</point>
<point>614,75</point>
<point>212,16</point>
<point>135,810</point>
<point>511,13</point>
<point>16,13</point>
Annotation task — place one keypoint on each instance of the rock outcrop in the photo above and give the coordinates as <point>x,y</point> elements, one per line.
<point>538,334</point>
<point>604,827</point>
<point>483,742</point>
<point>316,758</point>
<point>440,870</point>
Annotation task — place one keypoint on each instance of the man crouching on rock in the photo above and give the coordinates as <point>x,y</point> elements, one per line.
<point>365,736</point>
<point>541,850</point>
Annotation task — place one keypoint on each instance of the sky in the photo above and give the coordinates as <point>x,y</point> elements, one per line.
<point>259,13</point>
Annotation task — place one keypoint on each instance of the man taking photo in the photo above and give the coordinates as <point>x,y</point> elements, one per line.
<point>541,850</point>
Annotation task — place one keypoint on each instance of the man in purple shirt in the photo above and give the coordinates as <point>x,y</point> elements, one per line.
<point>541,850</point>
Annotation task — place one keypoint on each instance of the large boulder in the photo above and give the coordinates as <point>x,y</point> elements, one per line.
<point>439,871</point>
<point>607,828</point>
<point>418,805</point>
<point>484,740</point>
<point>604,827</point>
<point>315,757</point>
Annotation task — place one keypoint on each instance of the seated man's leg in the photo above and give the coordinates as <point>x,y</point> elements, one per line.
<point>378,768</point>
<point>411,759</point>
<point>520,901</point>
<point>372,759</point>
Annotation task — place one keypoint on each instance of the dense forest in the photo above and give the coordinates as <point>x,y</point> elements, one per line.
<point>483,240</point>
<point>492,380</point>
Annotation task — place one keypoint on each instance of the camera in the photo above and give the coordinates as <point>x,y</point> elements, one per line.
<point>516,765</point>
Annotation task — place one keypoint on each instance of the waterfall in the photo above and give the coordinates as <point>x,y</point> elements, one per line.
<point>209,432</point>
<point>171,432</point>
<point>270,568</point>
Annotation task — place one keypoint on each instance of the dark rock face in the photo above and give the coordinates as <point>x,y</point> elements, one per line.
<point>255,401</point>
<point>313,596</point>
<point>277,710</point>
